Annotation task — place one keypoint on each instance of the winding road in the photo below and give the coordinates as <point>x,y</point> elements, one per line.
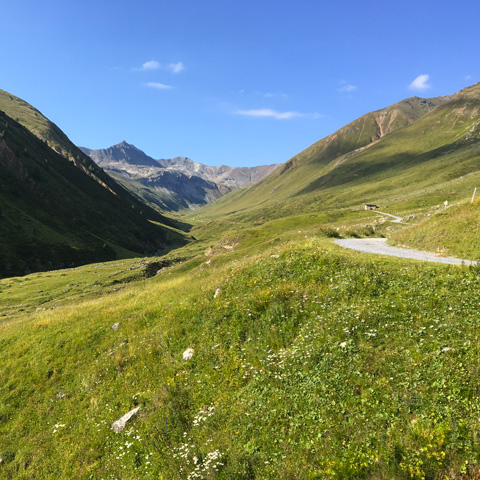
<point>379,246</point>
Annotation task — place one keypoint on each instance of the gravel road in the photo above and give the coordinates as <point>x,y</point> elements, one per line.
<point>378,245</point>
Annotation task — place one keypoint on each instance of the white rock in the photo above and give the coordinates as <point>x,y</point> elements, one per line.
<point>188,354</point>
<point>121,423</point>
<point>217,293</point>
<point>115,326</point>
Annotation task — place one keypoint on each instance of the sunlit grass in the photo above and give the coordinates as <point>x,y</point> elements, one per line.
<point>310,362</point>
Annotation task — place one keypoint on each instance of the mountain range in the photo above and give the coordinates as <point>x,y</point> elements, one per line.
<point>173,184</point>
<point>60,208</point>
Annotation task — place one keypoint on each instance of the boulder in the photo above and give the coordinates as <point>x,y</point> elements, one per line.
<point>121,423</point>
<point>188,354</point>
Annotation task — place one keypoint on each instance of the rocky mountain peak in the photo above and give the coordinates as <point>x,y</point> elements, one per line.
<point>188,183</point>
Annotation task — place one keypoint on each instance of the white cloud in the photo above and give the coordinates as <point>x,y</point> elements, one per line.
<point>159,86</point>
<point>468,77</point>
<point>267,112</point>
<point>348,88</point>
<point>176,67</point>
<point>154,65</point>
<point>420,83</point>
<point>151,65</point>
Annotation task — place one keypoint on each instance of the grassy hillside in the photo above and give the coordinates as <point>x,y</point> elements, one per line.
<point>52,135</point>
<point>310,362</point>
<point>444,231</point>
<point>53,215</point>
<point>431,156</point>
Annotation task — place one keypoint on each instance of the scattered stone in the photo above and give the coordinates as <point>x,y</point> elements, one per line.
<point>115,326</point>
<point>121,423</point>
<point>217,293</point>
<point>188,354</point>
<point>61,395</point>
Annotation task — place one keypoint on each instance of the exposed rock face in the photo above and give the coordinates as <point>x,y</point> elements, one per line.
<point>234,177</point>
<point>123,152</point>
<point>173,184</point>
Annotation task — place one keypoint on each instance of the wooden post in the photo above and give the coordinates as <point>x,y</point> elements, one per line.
<point>473,196</point>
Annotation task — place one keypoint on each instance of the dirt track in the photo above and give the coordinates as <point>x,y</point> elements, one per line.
<point>379,246</point>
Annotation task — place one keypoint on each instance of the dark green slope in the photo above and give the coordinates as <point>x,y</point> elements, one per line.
<point>47,131</point>
<point>53,215</point>
<point>55,138</point>
<point>413,149</point>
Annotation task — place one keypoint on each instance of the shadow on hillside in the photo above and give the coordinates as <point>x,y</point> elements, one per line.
<point>361,170</point>
<point>180,225</point>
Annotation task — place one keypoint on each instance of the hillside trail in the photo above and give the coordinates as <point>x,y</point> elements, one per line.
<point>380,247</point>
<point>396,219</point>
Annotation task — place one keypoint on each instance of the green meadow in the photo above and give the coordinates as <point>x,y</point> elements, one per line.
<point>310,362</point>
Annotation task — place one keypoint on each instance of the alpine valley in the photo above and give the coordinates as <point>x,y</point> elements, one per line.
<point>249,345</point>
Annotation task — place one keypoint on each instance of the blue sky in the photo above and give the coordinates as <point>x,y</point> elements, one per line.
<point>239,83</point>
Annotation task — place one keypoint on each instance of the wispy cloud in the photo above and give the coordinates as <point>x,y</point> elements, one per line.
<point>267,112</point>
<point>175,67</point>
<point>348,88</point>
<point>159,86</point>
<point>151,65</point>
<point>468,77</point>
<point>420,83</point>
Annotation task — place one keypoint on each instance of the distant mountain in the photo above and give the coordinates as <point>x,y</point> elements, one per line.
<point>121,153</point>
<point>233,177</point>
<point>57,207</point>
<point>173,184</point>
<point>415,148</point>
